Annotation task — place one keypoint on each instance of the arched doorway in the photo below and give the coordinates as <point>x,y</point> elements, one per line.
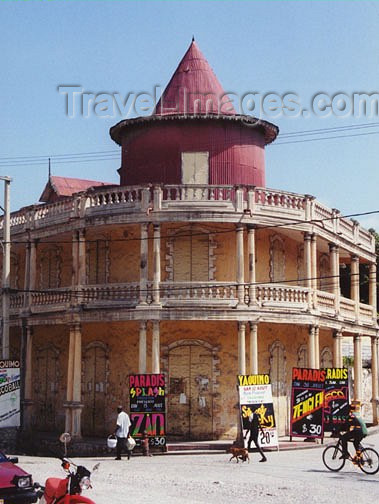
<point>190,394</point>
<point>46,379</point>
<point>278,372</point>
<point>94,386</point>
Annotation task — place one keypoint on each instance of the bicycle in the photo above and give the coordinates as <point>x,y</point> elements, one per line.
<point>367,459</point>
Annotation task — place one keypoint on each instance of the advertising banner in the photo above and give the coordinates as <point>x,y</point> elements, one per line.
<point>307,400</point>
<point>10,384</point>
<point>255,395</point>
<point>148,407</point>
<point>336,398</point>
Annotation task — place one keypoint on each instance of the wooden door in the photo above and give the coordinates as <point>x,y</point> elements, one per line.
<point>94,391</point>
<point>190,400</point>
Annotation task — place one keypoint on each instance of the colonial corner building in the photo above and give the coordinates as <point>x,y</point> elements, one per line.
<point>190,267</point>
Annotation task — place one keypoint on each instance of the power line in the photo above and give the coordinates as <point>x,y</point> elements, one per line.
<point>34,160</point>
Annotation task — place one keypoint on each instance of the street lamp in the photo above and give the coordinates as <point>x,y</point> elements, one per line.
<point>6,243</point>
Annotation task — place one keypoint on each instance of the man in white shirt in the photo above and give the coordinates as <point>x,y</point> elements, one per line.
<point>122,432</point>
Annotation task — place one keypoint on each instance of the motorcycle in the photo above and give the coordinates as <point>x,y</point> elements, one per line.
<point>67,490</point>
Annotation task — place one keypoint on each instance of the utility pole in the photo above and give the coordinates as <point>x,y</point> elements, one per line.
<point>6,268</point>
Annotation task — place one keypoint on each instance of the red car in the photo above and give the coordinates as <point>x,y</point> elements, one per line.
<point>16,486</point>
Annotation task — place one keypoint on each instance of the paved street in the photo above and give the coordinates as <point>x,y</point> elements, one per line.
<point>295,476</point>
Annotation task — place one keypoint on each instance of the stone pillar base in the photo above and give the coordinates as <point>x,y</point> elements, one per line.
<point>73,418</point>
<point>27,414</point>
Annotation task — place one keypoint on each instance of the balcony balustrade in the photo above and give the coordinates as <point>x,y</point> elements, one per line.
<point>261,203</point>
<point>280,298</point>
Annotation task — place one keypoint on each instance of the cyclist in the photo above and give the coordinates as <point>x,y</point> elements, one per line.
<point>355,429</point>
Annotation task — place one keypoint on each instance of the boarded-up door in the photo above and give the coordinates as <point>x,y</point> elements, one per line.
<point>280,395</point>
<point>94,391</point>
<point>190,400</point>
<point>46,388</point>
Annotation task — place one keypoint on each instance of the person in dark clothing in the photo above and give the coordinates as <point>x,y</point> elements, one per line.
<point>355,429</point>
<point>253,430</point>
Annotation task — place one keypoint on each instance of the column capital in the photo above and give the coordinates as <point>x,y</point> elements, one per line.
<point>75,326</point>
<point>240,227</point>
<point>333,247</point>
<point>307,236</point>
<point>354,258</point>
<point>338,333</point>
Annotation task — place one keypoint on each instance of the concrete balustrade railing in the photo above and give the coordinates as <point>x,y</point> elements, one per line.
<point>254,200</point>
<point>273,296</point>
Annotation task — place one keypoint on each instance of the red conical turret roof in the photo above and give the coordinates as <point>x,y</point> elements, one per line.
<point>194,89</point>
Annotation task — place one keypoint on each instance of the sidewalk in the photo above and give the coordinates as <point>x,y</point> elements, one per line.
<point>48,444</point>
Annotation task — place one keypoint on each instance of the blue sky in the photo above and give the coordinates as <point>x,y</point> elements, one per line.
<point>302,47</point>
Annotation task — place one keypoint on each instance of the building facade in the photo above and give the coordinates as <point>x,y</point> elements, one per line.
<point>191,267</point>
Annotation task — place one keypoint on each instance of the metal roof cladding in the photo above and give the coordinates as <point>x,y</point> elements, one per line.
<point>193,87</point>
<point>194,93</point>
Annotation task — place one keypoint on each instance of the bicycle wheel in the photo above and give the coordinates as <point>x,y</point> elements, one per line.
<point>332,458</point>
<point>369,461</point>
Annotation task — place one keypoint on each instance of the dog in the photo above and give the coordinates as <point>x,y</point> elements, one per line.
<point>239,454</point>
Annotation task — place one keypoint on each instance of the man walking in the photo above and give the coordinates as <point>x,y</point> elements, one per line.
<point>122,432</point>
<point>253,429</point>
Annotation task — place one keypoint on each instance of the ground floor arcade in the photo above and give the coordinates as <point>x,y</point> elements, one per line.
<point>76,374</point>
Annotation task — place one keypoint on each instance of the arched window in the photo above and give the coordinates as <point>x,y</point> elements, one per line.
<point>277,259</point>
<point>97,261</point>
<point>190,256</point>
<point>301,273</point>
<point>302,356</point>
<point>50,268</point>
<point>326,360</point>
<point>14,270</point>
<point>325,281</point>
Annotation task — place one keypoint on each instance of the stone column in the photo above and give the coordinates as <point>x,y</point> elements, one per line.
<point>354,283</point>
<point>28,394</point>
<point>253,348</point>
<point>157,263</point>
<point>82,273</point>
<point>335,274</point>
<point>358,368</point>
<point>337,349</point>
<point>240,266</point>
<point>74,375</point>
<point>142,348</point>
<point>252,274</point>
<point>372,289</point>
<point>144,263</point>
<point>155,356</point>
<point>374,377</point>
<point>314,260</point>
<point>311,347</point>
<point>317,347</point>
<point>75,259</point>
<point>30,271</point>
<point>241,348</point>
<point>307,260</point>
<point>27,275</point>
<point>314,269</point>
